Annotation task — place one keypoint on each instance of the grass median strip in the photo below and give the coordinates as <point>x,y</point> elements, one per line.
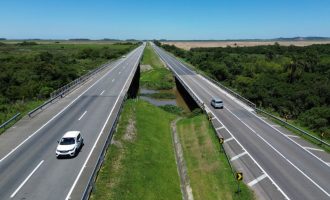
<point>140,163</point>
<point>208,170</point>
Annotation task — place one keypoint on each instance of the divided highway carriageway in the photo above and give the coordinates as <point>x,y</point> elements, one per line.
<point>274,164</point>
<point>29,168</point>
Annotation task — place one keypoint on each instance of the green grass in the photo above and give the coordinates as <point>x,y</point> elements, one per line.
<point>26,81</point>
<point>158,78</point>
<point>142,167</point>
<point>209,172</point>
<point>151,58</point>
<point>8,111</point>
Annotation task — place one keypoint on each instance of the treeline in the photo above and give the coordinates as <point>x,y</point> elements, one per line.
<point>31,71</point>
<point>292,81</point>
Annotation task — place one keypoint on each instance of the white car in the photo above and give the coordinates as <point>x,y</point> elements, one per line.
<point>70,144</point>
<point>217,103</point>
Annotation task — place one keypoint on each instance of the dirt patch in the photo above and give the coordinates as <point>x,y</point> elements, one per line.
<point>144,68</point>
<point>130,132</point>
<point>181,164</point>
<point>189,45</point>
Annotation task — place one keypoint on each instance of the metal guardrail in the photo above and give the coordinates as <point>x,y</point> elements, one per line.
<point>294,127</point>
<point>77,81</point>
<point>68,87</point>
<point>92,178</point>
<point>10,120</point>
<point>248,103</point>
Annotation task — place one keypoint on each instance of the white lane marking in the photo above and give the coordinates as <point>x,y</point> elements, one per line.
<point>276,126</point>
<point>286,136</point>
<point>241,121</point>
<point>221,127</point>
<point>314,149</point>
<point>102,92</point>
<point>271,179</point>
<point>227,140</point>
<point>98,137</point>
<point>255,181</point>
<point>120,72</point>
<point>317,185</point>
<point>82,115</point>
<point>295,136</point>
<point>13,150</point>
<point>113,80</point>
<point>294,166</point>
<point>250,109</point>
<point>243,105</point>
<point>238,156</point>
<point>26,179</point>
<point>328,163</point>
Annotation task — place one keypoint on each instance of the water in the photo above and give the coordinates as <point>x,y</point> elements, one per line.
<point>178,101</point>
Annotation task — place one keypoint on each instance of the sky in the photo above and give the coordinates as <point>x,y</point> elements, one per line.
<point>163,19</point>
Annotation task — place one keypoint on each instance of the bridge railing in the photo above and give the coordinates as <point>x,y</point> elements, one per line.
<point>320,141</point>
<point>60,93</point>
<point>91,181</point>
<point>246,101</point>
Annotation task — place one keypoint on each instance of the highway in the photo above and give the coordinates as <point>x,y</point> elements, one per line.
<point>276,166</point>
<point>32,171</point>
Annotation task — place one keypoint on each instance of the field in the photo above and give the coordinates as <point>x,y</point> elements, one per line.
<point>140,163</point>
<point>189,45</point>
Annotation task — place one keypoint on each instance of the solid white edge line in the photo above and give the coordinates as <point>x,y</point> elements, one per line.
<point>13,150</point>
<point>102,92</point>
<point>261,118</point>
<point>64,108</point>
<point>101,132</point>
<point>255,181</point>
<point>286,136</point>
<point>298,169</point>
<point>227,140</point>
<point>82,115</point>
<point>238,156</point>
<point>26,179</point>
<point>274,183</point>
<point>314,149</point>
<point>279,153</point>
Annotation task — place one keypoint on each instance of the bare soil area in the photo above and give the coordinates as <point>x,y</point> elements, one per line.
<point>189,45</point>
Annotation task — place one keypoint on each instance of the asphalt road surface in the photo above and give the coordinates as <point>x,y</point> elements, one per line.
<point>32,171</point>
<point>296,172</point>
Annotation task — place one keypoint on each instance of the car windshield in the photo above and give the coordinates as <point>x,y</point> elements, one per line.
<point>218,101</point>
<point>67,141</point>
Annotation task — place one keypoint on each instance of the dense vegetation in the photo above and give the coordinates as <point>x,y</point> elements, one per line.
<point>291,81</point>
<point>31,71</point>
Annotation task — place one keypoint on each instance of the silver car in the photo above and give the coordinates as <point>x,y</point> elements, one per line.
<point>217,103</point>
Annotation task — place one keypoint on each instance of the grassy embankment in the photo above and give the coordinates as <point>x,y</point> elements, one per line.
<point>208,170</point>
<point>140,164</point>
<point>31,71</point>
<point>157,78</point>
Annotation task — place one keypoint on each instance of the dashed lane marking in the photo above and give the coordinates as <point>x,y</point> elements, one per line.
<point>255,181</point>
<point>238,156</point>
